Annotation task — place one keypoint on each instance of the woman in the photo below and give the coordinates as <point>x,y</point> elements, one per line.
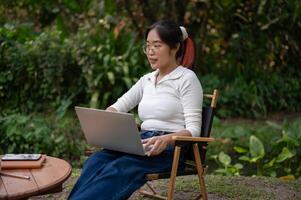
<point>170,103</point>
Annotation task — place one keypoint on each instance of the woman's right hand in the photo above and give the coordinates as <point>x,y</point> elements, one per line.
<point>156,145</point>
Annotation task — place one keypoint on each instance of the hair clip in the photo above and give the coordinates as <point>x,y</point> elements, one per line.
<point>184,33</point>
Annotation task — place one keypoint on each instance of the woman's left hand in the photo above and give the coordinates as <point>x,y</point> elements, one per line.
<point>156,144</point>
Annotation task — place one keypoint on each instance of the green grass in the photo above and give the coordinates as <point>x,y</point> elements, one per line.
<point>235,187</point>
<point>227,187</point>
<point>219,187</point>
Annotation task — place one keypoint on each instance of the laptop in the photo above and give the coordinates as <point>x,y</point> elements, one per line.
<point>110,130</point>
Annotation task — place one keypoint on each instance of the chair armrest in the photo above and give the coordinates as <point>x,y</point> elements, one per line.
<point>192,139</point>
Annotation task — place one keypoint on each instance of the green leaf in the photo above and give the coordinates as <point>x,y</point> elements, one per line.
<point>244,158</point>
<point>94,99</point>
<point>270,163</point>
<point>213,157</point>
<point>111,77</point>
<point>284,155</point>
<point>238,166</point>
<point>224,158</point>
<point>253,160</point>
<point>59,139</point>
<point>240,149</point>
<point>256,147</point>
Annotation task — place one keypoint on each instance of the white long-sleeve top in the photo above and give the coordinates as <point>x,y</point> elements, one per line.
<point>173,104</point>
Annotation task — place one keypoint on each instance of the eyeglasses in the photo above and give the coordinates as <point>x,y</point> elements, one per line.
<point>154,47</point>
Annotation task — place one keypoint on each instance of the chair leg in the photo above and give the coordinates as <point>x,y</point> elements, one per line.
<point>200,170</point>
<point>151,188</point>
<point>153,193</point>
<point>203,188</point>
<point>173,173</point>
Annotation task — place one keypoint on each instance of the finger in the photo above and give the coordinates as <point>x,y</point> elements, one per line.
<point>157,148</point>
<point>151,141</point>
<point>145,140</point>
<point>149,150</point>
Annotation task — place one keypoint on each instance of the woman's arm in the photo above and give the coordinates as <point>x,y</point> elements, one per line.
<point>192,100</point>
<point>130,99</point>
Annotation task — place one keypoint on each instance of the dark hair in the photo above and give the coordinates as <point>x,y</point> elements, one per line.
<point>171,34</point>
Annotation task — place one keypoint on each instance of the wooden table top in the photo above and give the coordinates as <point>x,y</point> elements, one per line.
<point>44,180</point>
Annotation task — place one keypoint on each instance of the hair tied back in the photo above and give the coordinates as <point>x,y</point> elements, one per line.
<point>184,33</point>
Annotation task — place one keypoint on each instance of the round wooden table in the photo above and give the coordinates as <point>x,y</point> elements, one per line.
<point>47,179</point>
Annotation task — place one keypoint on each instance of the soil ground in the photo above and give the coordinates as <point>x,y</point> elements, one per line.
<point>219,188</point>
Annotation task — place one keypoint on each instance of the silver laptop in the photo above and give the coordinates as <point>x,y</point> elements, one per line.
<point>111,130</point>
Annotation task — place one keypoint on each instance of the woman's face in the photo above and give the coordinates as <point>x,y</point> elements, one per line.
<point>159,54</point>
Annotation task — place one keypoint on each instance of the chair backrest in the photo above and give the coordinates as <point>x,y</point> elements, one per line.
<point>207,120</point>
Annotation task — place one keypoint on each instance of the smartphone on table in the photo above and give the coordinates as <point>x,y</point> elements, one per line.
<point>11,157</point>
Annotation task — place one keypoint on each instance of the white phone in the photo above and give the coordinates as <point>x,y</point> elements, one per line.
<point>7,157</point>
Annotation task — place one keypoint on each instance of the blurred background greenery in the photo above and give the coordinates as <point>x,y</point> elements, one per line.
<point>61,53</point>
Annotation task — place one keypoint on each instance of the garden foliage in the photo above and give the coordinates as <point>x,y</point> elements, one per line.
<point>271,150</point>
<point>58,54</point>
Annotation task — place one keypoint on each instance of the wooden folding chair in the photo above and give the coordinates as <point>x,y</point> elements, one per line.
<point>195,165</point>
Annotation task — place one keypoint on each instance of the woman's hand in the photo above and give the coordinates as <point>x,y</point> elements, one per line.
<point>156,144</point>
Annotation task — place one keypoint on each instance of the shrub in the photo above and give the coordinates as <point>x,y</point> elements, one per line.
<point>37,72</point>
<point>110,63</point>
<point>38,133</point>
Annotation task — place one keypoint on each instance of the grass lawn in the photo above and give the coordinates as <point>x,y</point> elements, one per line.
<point>219,187</point>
